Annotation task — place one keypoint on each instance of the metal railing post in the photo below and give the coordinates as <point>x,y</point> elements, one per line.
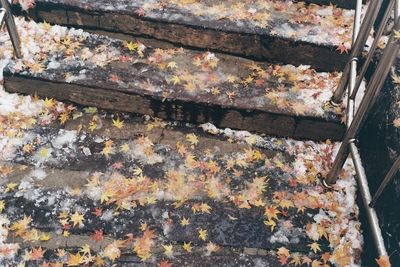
<point>12,28</point>
<point>374,86</point>
<point>389,176</point>
<point>366,197</point>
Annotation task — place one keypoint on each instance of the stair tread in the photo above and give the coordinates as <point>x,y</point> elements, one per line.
<point>72,64</point>
<point>273,177</point>
<point>254,25</point>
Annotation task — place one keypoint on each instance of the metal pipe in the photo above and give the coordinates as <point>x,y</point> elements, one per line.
<point>396,9</point>
<point>389,176</point>
<point>12,28</point>
<point>374,87</point>
<point>353,64</point>
<point>366,26</point>
<point>2,16</point>
<point>371,52</point>
<point>366,198</point>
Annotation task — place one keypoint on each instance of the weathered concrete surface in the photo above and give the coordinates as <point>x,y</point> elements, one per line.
<point>178,84</point>
<point>258,29</point>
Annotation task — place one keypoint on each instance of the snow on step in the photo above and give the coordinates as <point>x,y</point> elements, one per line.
<point>279,31</point>
<point>173,83</point>
<point>154,191</point>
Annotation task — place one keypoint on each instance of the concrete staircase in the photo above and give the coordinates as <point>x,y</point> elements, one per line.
<point>161,190</point>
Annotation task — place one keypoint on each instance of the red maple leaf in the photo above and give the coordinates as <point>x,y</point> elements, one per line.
<point>342,49</point>
<point>164,264</point>
<point>98,235</point>
<point>140,12</point>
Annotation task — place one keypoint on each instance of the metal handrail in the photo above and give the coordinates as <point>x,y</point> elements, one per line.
<point>373,88</point>
<point>357,117</point>
<point>358,46</point>
<point>8,19</point>
<point>374,45</point>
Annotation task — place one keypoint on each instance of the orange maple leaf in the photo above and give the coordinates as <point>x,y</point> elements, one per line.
<point>383,261</point>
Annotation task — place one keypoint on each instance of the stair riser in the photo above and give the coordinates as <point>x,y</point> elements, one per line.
<point>262,122</point>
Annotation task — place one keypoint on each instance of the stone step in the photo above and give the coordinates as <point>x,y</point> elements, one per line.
<point>174,83</point>
<point>151,183</point>
<point>276,31</point>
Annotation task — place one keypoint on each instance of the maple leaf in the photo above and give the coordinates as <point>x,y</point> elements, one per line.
<point>383,261</point>
<point>342,49</point>
<point>283,251</point>
<point>396,34</point>
<point>184,222</point>
<point>211,247</point>
<point>112,251</point>
<point>270,223</point>
<point>36,254</point>
<point>192,139</point>
<point>175,79</point>
<point>172,65</point>
<point>44,237</point>
<point>2,205</point>
<point>396,123</point>
<point>203,234</point>
<point>118,123</point>
<point>74,259</point>
<point>164,264</point>
<point>168,250</point>
<point>92,126</point>
<point>271,212</point>
<point>315,247</point>
<point>63,117</point>
<point>98,235</point>
<point>44,152</point>
<point>140,12</point>
<point>49,103</point>
<point>296,260</point>
<point>187,246</point>
<point>396,79</point>
<point>124,148</point>
<point>205,208</point>
<point>77,219</point>
<point>132,46</point>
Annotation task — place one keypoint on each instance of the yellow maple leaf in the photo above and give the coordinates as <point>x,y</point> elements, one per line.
<point>192,139</point>
<point>124,148</point>
<point>132,46</point>
<point>175,79</point>
<point>77,219</point>
<point>49,103</point>
<point>187,246</point>
<point>271,224</point>
<point>2,205</point>
<point>168,250</point>
<point>315,247</point>
<point>172,65</point>
<point>118,123</point>
<point>203,234</point>
<point>74,259</point>
<point>63,117</point>
<point>10,187</point>
<point>92,126</point>
<point>396,123</point>
<point>44,237</point>
<point>44,152</point>
<point>205,208</point>
<point>184,222</point>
